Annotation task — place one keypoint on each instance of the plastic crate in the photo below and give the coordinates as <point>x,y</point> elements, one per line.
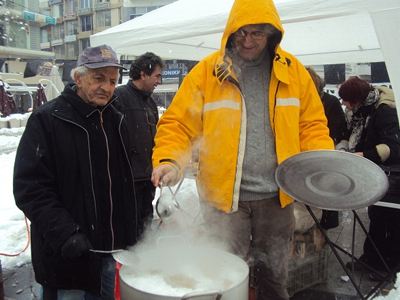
<point>308,271</point>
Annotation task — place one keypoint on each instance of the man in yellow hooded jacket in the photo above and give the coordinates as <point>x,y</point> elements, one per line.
<point>249,106</point>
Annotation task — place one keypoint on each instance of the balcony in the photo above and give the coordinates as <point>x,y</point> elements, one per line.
<point>44,6</point>
<point>70,38</point>
<point>100,28</point>
<point>102,5</point>
<point>45,45</point>
<point>84,34</point>
<point>116,3</point>
<point>85,11</point>
<point>70,16</point>
<point>53,2</point>
<point>57,42</point>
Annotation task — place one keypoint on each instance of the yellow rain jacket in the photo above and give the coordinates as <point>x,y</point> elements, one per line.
<point>209,109</point>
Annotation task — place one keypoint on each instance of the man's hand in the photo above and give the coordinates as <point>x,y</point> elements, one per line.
<point>76,246</point>
<point>166,174</point>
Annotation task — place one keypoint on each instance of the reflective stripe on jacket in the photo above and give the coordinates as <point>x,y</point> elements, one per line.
<point>209,109</point>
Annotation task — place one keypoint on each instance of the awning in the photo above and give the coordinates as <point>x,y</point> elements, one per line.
<point>11,52</point>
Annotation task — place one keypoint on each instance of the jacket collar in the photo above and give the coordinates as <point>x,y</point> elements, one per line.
<point>280,66</point>
<point>82,108</point>
<point>135,88</point>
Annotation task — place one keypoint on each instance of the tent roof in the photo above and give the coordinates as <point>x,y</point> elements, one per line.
<point>316,31</point>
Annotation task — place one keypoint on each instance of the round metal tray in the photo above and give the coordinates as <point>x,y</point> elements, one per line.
<point>333,180</point>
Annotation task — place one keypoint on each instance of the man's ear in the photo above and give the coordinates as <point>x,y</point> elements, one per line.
<point>77,79</point>
<point>142,75</point>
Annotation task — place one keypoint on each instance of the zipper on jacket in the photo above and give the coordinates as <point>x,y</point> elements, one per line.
<point>131,170</point>
<point>90,164</point>
<point>273,115</point>
<point>101,120</point>
<point>236,84</point>
<point>109,179</point>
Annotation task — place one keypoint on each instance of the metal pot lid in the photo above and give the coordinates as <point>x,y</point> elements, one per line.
<point>333,180</point>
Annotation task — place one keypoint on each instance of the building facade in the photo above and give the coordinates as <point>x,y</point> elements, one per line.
<point>20,24</point>
<point>76,20</point>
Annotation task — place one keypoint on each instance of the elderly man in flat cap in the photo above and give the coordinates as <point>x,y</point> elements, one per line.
<point>73,180</point>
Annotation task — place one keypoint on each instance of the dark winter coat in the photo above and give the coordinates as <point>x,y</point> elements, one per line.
<point>141,115</point>
<point>61,179</point>
<point>382,127</point>
<point>335,115</point>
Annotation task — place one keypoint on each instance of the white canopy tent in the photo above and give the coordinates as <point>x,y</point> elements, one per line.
<point>316,31</point>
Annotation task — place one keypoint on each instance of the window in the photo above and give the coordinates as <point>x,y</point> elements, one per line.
<point>2,37</point>
<point>71,50</point>
<point>57,10</point>
<point>86,23</point>
<point>139,11</point>
<point>59,51</point>
<point>57,32</point>
<point>45,33</point>
<point>86,4</point>
<point>70,7</point>
<point>84,43</point>
<point>150,8</point>
<point>103,19</point>
<point>71,28</point>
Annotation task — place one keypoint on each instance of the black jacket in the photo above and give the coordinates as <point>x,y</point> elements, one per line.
<point>336,118</point>
<point>141,115</point>
<point>61,183</point>
<point>382,128</point>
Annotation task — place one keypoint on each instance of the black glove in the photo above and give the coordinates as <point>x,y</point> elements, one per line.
<point>76,246</point>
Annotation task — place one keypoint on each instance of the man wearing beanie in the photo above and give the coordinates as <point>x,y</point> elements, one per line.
<point>73,180</point>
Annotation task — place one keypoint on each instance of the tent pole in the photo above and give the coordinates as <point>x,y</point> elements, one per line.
<point>387,24</point>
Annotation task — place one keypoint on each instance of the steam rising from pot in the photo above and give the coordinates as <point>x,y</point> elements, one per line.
<point>186,226</point>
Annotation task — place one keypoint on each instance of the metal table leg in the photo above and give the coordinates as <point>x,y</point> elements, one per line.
<point>334,247</point>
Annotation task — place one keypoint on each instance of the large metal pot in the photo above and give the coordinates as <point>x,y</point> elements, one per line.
<point>188,273</point>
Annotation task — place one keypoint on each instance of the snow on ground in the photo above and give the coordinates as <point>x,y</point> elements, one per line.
<point>13,231</point>
<point>394,294</point>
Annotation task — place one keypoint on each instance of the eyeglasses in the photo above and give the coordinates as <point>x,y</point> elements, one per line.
<point>256,35</point>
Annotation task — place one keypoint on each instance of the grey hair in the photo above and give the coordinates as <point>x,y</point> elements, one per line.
<point>81,70</point>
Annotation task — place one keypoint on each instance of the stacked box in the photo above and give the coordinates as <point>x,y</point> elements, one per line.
<point>307,243</point>
<point>309,262</point>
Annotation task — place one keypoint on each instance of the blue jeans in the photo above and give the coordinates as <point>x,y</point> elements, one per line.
<point>107,285</point>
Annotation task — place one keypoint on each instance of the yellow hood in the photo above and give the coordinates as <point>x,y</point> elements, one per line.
<point>245,12</point>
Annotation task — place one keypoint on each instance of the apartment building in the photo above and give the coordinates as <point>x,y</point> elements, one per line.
<point>20,23</point>
<point>76,20</point>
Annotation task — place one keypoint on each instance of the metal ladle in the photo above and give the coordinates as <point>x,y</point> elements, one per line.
<point>165,209</point>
